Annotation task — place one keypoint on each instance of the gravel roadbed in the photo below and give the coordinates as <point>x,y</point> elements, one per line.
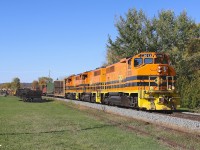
<point>181,124</point>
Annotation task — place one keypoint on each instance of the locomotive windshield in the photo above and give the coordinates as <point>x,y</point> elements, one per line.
<point>148,61</point>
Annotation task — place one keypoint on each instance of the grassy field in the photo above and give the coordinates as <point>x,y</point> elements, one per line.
<point>57,125</point>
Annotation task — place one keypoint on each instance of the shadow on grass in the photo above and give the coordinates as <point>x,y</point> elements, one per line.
<point>61,131</point>
<point>38,101</point>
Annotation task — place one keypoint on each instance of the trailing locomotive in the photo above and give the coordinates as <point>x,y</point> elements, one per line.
<point>144,81</point>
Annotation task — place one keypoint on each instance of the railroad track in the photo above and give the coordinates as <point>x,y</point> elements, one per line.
<point>178,121</point>
<point>184,115</point>
<point>190,116</point>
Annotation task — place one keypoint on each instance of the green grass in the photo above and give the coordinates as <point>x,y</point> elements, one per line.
<point>53,125</point>
<point>57,125</point>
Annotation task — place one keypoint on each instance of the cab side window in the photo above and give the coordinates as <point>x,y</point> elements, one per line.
<point>137,62</point>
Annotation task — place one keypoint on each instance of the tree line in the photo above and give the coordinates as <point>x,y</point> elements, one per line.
<point>41,82</point>
<point>16,84</point>
<point>176,35</point>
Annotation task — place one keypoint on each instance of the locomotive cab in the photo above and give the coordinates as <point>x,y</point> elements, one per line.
<point>152,66</point>
<point>155,80</point>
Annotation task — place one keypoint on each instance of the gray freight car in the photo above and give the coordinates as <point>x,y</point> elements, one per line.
<point>59,88</point>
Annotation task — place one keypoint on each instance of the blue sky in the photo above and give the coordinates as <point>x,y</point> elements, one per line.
<point>65,36</point>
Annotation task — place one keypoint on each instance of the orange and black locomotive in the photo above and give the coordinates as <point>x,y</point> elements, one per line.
<point>144,81</point>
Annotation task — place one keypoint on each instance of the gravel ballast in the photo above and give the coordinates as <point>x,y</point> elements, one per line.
<point>159,119</point>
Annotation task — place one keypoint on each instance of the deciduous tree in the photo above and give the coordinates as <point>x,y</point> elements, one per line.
<point>35,84</point>
<point>15,84</point>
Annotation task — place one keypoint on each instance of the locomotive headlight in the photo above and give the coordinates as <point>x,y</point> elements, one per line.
<point>159,69</point>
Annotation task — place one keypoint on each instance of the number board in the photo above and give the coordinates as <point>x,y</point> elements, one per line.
<point>146,55</point>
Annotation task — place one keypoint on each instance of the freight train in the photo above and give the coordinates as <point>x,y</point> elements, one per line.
<point>144,81</point>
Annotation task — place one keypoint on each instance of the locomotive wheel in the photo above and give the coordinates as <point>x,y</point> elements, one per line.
<point>125,101</point>
<point>82,98</point>
<point>71,96</point>
<point>93,99</point>
<point>134,102</point>
<point>105,101</point>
